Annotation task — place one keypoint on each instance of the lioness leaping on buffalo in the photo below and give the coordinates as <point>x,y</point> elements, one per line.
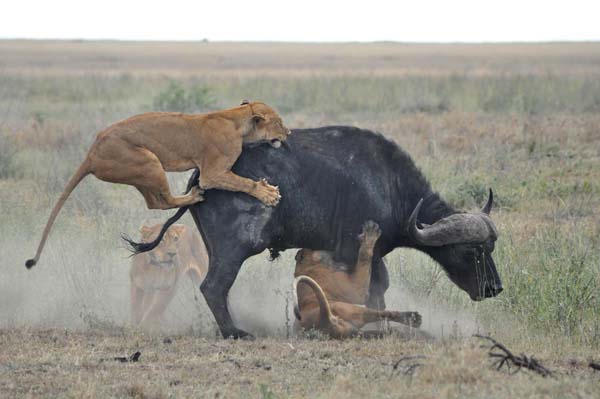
<point>137,151</point>
<point>328,294</point>
<point>154,275</point>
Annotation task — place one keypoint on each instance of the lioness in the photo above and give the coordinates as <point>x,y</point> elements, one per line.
<point>137,151</point>
<point>328,298</point>
<point>154,275</point>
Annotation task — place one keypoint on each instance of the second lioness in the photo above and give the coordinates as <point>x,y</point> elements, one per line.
<point>329,293</point>
<point>138,150</point>
<point>154,275</point>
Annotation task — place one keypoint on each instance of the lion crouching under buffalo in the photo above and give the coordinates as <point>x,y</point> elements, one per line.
<point>330,296</point>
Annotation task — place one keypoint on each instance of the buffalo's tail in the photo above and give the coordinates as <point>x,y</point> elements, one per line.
<point>326,315</point>
<point>140,247</point>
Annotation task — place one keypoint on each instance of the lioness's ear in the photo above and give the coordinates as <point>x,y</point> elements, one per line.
<point>245,102</point>
<point>179,229</point>
<point>257,118</point>
<point>145,230</point>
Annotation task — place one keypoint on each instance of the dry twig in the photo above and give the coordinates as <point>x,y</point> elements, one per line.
<point>409,368</point>
<point>505,357</point>
<point>125,359</point>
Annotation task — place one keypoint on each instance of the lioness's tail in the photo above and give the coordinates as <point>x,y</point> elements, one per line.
<point>83,171</point>
<point>325,310</point>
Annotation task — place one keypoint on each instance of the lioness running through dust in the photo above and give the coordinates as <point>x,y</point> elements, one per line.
<point>154,276</point>
<point>138,150</point>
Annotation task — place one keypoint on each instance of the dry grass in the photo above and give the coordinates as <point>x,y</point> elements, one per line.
<point>59,363</point>
<point>523,119</point>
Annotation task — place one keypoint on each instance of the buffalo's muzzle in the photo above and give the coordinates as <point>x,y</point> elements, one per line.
<point>492,290</point>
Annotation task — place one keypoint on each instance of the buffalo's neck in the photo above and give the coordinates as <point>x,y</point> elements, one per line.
<point>434,208</point>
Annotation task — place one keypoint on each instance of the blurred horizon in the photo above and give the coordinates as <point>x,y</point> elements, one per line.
<point>311,21</point>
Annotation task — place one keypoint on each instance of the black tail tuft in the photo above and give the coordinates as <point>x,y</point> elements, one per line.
<point>137,247</point>
<point>30,263</point>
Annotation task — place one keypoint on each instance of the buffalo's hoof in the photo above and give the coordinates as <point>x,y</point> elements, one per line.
<point>236,333</point>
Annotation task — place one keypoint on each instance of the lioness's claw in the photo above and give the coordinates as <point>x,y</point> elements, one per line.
<point>371,231</point>
<point>268,194</point>
<point>196,194</point>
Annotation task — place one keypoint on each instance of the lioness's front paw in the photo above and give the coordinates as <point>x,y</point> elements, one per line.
<point>268,194</point>
<point>196,194</point>
<point>371,232</point>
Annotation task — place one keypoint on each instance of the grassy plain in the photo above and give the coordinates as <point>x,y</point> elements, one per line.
<point>523,119</point>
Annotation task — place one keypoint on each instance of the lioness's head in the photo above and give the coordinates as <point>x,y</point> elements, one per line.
<point>166,253</point>
<point>265,125</point>
<point>309,258</point>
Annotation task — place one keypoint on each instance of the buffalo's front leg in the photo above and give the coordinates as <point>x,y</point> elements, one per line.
<point>380,282</point>
<point>215,288</point>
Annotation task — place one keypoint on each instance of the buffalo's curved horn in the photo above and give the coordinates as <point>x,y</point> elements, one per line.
<point>458,228</point>
<point>413,229</point>
<point>488,207</point>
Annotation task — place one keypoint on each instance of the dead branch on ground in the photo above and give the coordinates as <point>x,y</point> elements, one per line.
<point>506,357</point>
<point>409,367</point>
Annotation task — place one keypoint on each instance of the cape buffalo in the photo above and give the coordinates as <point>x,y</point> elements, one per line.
<point>332,180</point>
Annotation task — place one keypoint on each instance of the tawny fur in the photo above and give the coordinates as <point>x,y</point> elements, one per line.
<point>137,151</point>
<point>330,298</point>
<point>154,275</point>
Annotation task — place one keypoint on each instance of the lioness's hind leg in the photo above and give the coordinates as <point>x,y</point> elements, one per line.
<point>412,319</point>
<point>117,161</point>
<point>165,200</point>
<point>154,186</point>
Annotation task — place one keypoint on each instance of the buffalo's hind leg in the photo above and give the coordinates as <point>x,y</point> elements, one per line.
<point>221,275</point>
<point>380,282</point>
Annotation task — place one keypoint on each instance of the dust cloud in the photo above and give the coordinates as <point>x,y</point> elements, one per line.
<point>82,282</point>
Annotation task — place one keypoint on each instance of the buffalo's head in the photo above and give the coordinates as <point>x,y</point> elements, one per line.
<point>463,244</point>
